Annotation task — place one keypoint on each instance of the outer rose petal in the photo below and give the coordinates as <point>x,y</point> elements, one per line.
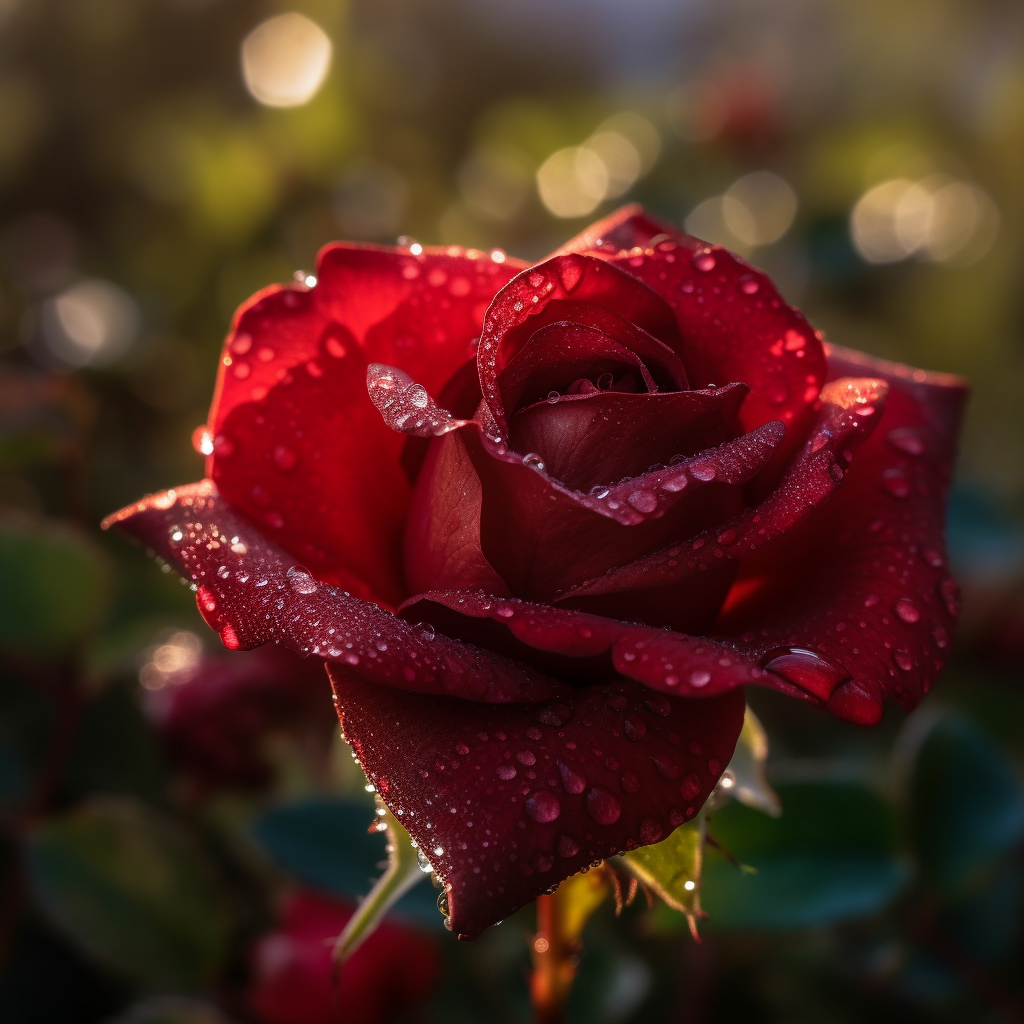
<point>863,581</point>
<point>507,800</point>
<point>298,446</point>
<point>629,227</point>
<point>583,647</point>
<point>251,592</point>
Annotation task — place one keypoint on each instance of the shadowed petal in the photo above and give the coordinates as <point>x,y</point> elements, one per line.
<point>252,593</point>
<point>507,800</point>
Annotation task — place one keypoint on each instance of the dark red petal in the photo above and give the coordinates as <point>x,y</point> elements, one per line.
<point>735,326</point>
<point>298,447</point>
<point>863,582</point>
<point>580,646</point>
<point>629,227</point>
<point>566,288</point>
<point>563,352</point>
<point>506,801</point>
<point>252,592</point>
<point>601,437</point>
<point>849,412</point>
<point>442,536</point>
<point>544,538</point>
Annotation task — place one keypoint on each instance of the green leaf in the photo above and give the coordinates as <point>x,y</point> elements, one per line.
<point>402,873</point>
<point>967,808</point>
<point>130,889</point>
<point>746,771</point>
<point>672,868</point>
<point>55,585</point>
<point>324,843</point>
<point>831,856</point>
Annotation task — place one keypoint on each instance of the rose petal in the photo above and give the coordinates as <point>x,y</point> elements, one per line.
<point>544,538</point>
<point>849,412</point>
<point>627,228</point>
<point>298,446</point>
<point>579,289</point>
<point>251,592</point>
<point>580,646</point>
<point>863,582</point>
<point>506,801</point>
<point>599,438</point>
<point>735,326</point>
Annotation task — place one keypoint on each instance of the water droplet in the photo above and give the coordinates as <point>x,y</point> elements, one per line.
<point>643,501</point>
<point>533,461</point>
<point>690,786</point>
<point>704,261</point>
<point>506,772</point>
<point>406,406</point>
<point>176,535</point>
<point>567,846</point>
<point>809,671</point>
<point>950,594</point>
<point>602,806</point>
<point>526,757</point>
<point>553,714</point>
<point>896,483</point>
<point>543,806</point>
<point>703,471</point>
<point>301,580</point>
<point>933,558</point>
<point>651,830</point>
<point>630,782</point>
<point>700,677</point>
<point>906,440</point>
<point>749,284</point>
<point>571,780</point>
<point>903,660</point>
<point>570,272</point>
<point>634,729</point>
<point>285,458</point>
<point>658,705</point>
<point>667,768</point>
<point>554,396</point>
<point>907,610</point>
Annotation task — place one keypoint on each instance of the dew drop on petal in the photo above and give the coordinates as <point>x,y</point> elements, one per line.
<point>690,786</point>
<point>602,806</point>
<point>704,261</point>
<point>907,610</point>
<point>567,846</point>
<point>651,830</point>
<point>807,670</point>
<point>543,806</point>
<point>506,772</point>
<point>634,729</point>
<point>571,780</point>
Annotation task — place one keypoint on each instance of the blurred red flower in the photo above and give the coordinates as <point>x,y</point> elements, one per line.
<point>394,968</point>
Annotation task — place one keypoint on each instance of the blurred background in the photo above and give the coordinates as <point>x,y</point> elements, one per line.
<point>180,831</point>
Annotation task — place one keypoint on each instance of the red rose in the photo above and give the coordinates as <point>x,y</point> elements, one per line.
<point>395,967</point>
<point>649,484</point>
<point>214,725</point>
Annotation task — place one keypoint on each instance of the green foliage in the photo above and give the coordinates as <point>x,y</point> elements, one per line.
<point>966,806</point>
<point>131,890</point>
<point>54,589</point>
<point>326,844</point>
<point>830,856</point>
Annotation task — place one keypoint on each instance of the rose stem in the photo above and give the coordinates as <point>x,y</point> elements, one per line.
<point>555,958</point>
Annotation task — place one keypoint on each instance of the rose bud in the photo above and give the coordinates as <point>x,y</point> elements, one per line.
<point>214,724</point>
<point>545,522</point>
<point>395,967</point>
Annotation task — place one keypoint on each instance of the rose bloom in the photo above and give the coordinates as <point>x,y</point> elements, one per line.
<point>395,968</point>
<point>544,522</point>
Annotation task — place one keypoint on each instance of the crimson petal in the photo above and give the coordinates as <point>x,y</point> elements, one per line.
<point>507,800</point>
<point>629,227</point>
<point>252,592</point>
<point>873,592</point>
<point>849,412</point>
<point>297,445</point>
<point>578,645</point>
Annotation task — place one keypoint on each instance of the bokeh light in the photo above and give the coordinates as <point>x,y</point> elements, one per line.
<point>171,661</point>
<point>935,218</point>
<point>285,60</point>
<point>92,323</point>
<point>757,209</point>
<point>572,182</point>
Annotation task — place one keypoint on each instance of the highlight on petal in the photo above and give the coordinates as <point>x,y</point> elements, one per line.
<point>405,405</point>
<point>297,445</point>
<point>507,800</point>
<point>252,593</point>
